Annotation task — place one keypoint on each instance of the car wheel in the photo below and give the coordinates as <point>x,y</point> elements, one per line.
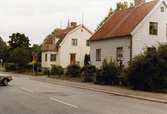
<point>5,82</point>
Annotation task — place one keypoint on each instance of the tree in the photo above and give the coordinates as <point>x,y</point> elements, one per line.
<point>20,56</point>
<point>87,60</point>
<point>119,6</point>
<point>3,51</point>
<point>18,40</point>
<point>36,49</point>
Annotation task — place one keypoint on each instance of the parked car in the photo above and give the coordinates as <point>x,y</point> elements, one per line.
<point>5,79</point>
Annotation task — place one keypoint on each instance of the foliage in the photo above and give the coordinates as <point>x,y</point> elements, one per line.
<point>88,72</point>
<point>20,56</point>
<point>3,50</point>
<point>149,71</point>
<point>36,49</point>
<point>57,70</point>
<point>109,73</point>
<point>10,67</point>
<point>18,40</point>
<point>73,70</point>
<point>87,59</point>
<point>46,71</point>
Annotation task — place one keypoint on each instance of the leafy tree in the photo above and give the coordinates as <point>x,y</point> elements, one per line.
<point>3,50</point>
<point>18,40</point>
<point>87,60</point>
<point>20,56</point>
<point>119,6</point>
<point>36,49</point>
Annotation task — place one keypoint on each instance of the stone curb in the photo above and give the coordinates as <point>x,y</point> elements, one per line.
<point>115,93</point>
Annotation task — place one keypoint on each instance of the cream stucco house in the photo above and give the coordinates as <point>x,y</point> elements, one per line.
<point>66,46</point>
<point>129,32</point>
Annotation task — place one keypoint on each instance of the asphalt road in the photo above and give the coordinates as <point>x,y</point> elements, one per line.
<point>26,96</point>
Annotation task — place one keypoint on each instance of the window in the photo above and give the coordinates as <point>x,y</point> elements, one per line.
<point>87,43</point>
<point>53,57</point>
<point>98,54</point>
<point>46,57</point>
<point>74,42</point>
<point>153,28</point>
<point>162,9</point>
<point>119,54</point>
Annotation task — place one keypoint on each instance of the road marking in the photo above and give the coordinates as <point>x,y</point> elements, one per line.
<point>27,90</point>
<point>65,103</point>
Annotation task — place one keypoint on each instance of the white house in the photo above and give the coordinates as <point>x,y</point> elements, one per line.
<point>129,32</point>
<point>66,46</point>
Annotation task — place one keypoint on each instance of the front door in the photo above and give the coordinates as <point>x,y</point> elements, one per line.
<point>72,58</point>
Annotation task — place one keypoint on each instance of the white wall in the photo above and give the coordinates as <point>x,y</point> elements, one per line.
<point>142,38</point>
<point>108,50</point>
<point>81,49</point>
<point>48,63</point>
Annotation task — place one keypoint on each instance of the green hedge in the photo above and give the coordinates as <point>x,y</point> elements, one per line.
<point>149,71</point>
<point>73,70</point>
<point>88,72</point>
<point>57,70</point>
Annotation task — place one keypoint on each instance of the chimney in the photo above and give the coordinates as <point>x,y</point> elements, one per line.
<point>138,2</point>
<point>73,24</point>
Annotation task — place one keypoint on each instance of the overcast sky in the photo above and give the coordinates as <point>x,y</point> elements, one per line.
<point>37,18</point>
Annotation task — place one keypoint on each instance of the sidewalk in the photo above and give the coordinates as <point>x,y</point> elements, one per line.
<point>125,92</point>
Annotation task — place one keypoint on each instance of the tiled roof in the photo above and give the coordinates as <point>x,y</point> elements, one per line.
<point>59,34</point>
<point>122,23</point>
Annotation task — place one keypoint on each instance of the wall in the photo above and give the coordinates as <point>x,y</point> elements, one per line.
<point>108,50</point>
<point>48,63</point>
<point>142,38</point>
<point>66,47</point>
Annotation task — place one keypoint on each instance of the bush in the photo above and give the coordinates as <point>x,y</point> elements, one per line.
<point>57,70</point>
<point>46,71</point>
<point>73,70</point>
<point>149,71</point>
<point>87,73</point>
<point>10,67</point>
<point>109,73</point>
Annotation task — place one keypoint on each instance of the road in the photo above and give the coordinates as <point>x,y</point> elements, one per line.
<point>27,96</point>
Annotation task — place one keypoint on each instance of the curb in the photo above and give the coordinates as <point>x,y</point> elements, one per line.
<point>115,93</point>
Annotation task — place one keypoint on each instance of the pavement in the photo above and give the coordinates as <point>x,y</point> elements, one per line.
<point>37,95</point>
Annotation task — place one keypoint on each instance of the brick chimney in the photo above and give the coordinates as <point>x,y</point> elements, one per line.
<point>138,2</point>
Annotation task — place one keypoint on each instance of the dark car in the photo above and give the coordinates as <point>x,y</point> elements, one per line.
<point>5,79</point>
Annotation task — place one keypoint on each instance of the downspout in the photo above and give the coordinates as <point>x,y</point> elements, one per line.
<point>131,45</point>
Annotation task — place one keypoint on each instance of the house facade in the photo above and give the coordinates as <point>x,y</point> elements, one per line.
<point>66,46</point>
<point>128,33</point>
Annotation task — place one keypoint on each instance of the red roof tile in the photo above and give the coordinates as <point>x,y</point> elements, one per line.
<point>123,22</point>
<point>49,42</point>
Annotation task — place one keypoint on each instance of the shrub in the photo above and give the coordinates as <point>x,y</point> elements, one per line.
<point>149,71</point>
<point>57,70</point>
<point>87,73</point>
<point>46,71</point>
<point>73,70</point>
<point>10,67</point>
<point>109,73</point>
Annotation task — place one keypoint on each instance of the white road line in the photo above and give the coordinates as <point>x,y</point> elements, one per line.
<point>65,103</point>
<point>27,90</point>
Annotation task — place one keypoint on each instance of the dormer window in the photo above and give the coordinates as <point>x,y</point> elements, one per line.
<point>162,9</point>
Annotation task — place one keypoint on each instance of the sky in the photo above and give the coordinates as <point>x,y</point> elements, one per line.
<point>37,18</point>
